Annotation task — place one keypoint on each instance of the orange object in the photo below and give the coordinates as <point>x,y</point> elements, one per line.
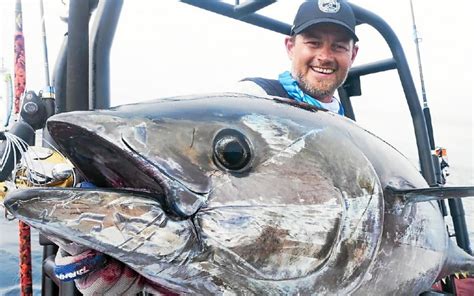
<point>19,85</point>
<point>441,152</point>
<point>19,59</point>
<point>26,281</point>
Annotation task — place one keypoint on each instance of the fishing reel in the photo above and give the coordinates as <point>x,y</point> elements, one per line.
<point>36,109</point>
<point>40,166</point>
<point>15,142</point>
<point>443,162</point>
<point>440,155</point>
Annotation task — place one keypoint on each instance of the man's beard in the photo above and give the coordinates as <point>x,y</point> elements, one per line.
<point>324,89</point>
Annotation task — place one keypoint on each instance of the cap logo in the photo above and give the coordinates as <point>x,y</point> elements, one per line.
<point>329,6</point>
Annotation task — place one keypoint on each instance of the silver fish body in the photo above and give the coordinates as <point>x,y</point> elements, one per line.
<point>229,193</point>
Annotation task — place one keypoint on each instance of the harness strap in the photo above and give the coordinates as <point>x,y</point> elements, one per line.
<point>271,86</point>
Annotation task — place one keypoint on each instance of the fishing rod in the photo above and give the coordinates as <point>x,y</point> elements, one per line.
<point>438,153</point>
<point>19,58</point>
<point>417,40</point>
<point>45,45</point>
<point>440,179</point>
<point>26,281</point>
<point>426,109</point>
<point>48,93</point>
<point>455,205</point>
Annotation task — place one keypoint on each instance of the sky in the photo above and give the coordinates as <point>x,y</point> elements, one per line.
<point>165,48</point>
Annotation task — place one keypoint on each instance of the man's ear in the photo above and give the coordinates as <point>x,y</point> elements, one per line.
<point>290,44</point>
<point>355,50</point>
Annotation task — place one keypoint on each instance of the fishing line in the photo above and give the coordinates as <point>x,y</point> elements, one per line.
<point>6,153</point>
<point>52,147</point>
<point>9,106</point>
<point>12,144</point>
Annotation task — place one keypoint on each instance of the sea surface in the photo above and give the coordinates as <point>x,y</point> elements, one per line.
<point>10,278</point>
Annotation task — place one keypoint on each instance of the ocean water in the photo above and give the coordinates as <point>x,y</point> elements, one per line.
<point>10,278</point>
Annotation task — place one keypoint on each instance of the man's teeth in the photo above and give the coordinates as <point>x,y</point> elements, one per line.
<point>323,70</point>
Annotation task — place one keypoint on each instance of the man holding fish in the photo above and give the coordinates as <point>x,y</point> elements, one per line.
<point>322,48</point>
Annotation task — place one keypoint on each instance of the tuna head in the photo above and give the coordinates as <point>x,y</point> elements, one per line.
<point>228,192</point>
<point>275,192</point>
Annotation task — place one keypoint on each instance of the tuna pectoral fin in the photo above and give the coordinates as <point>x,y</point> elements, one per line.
<point>430,194</point>
<point>127,225</point>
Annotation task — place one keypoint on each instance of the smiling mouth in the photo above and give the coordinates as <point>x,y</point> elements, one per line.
<point>323,70</point>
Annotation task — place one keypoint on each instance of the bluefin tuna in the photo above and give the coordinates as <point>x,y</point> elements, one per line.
<point>230,193</point>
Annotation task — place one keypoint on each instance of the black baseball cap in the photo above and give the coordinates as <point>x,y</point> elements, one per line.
<point>325,11</point>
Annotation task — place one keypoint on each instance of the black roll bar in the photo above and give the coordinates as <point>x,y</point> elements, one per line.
<point>77,72</point>
<point>82,73</point>
<point>59,76</point>
<point>371,68</point>
<point>251,17</point>
<point>251,6</point>
<point>102,36</point>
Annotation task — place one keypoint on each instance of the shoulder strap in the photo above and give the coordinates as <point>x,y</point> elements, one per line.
<point>271,86</point>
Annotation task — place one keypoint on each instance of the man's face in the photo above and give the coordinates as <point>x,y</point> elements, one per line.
<point>321,57</point>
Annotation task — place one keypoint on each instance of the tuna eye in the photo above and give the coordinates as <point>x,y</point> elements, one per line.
<point>231,150</point>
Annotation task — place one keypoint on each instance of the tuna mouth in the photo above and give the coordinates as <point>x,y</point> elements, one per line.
<point>102,162</point>
<point>115,164</point>
<point>180,198</point>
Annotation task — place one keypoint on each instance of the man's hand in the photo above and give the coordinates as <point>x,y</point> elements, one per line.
<point>97,274</point>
